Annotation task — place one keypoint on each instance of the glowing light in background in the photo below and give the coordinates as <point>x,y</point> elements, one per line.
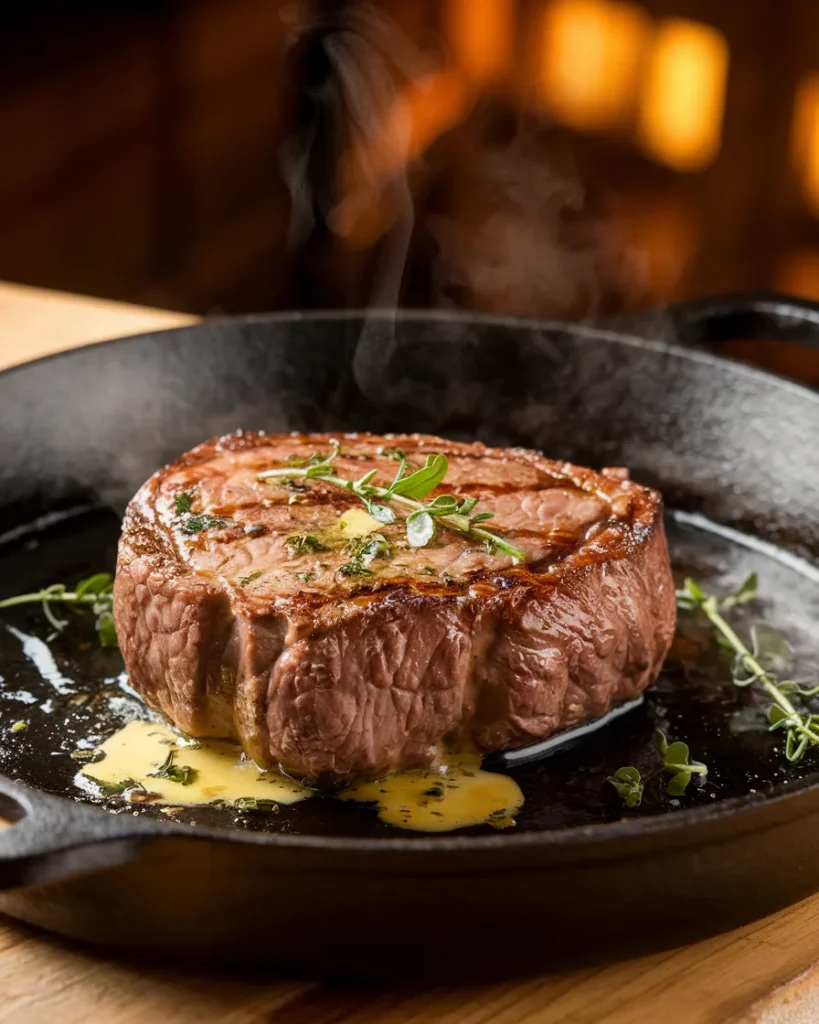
<point>684,95</point>
<point>591,57</point>
<point>422,112</point>
<point>481,34</point>
<point>799,273</point>
<point>805,139</point>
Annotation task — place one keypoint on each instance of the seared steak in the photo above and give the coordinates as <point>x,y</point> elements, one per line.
<point>244,609</point>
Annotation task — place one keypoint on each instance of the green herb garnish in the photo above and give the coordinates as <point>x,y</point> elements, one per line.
<point>196,524</point>
<point>88,756</point>
<point>676,761</point>
<point>628,785</point>
<point>364,550</point>
<point>303,544</point>
<point>396,454</point>
<point>19,727</point>
<point>305,577</point>
<point>182,503</point>
<point>801,729</point>
<point>455,514</point>
<point>117,788</point>
<point>94,594</point>
<point>244,580</point>
<point>181,773</point>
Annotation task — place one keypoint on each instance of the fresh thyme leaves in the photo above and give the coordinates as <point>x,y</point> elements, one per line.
<point>183,503</point>
<point>204,522</point>
<point>628,785</point>
<point>423,481</point>
<point>94,594</point>
<point>676,761</point>
<point>801,728</point>
<point>454,514</point>
<point>305,577</point>
<point>420,528</point>
<point>244,580</point>
<point>181,773</point>
<point>303,544</point>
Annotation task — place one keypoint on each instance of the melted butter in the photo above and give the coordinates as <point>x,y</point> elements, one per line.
<point>455,795</point>
<point>220,769</point>
<point>357,522</point>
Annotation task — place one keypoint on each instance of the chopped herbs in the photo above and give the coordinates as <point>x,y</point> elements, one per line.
<point>244,580</point>
<point>364,551</point>
<point>181,773</point>
<point>88,756</point>
<point>252,803</point>
<point>355,568</point>
<point>409,491</point>
<point>628,785</point>
<point>94,594</point>
<point>396,454</point>
<point>183,503</point>
<point>676,762</point>
<point>801,728</point>
<point>305,577</point>
<point>303,544</point>
<point>118,788</point>
<point>19,727</point>
<point>196,524</point>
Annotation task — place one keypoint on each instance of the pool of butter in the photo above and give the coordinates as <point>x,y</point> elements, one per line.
<point>456,794</point>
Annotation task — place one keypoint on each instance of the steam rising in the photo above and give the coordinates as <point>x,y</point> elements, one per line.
<point>524,235</point>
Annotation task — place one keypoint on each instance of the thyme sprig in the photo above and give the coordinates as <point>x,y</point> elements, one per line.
<point>94,594</point>
<point>677,762</point>
<point>801,729</point>
<point>409,491</point>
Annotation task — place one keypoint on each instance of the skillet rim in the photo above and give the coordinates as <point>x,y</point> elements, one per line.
<point>595,835</point>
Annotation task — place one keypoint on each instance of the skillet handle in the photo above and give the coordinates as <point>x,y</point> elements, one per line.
<point>743,315</point>
<point>52,839</point>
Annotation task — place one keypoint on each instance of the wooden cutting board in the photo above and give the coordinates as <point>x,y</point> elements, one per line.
<point>766,973</point>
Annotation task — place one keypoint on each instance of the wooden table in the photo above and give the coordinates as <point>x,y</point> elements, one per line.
<point>767,972</point>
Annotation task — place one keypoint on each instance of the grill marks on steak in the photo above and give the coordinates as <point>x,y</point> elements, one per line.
<point>333,676</point>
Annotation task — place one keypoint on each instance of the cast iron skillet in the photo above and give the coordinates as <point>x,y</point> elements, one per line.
<point>324,886</point>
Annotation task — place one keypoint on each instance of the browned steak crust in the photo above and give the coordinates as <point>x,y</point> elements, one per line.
<point>229,632</point>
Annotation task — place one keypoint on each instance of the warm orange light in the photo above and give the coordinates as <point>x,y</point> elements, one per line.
<point>591,55</point>
<point>684,96</point>
<point>419,115</point>
<point>805,138</point>
<point>799,274</point>
<point>481,35</point>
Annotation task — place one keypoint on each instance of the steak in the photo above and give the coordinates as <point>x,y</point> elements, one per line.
<point>245,608</point>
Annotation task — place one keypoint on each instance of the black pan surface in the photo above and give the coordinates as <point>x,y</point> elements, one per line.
<point>732,449</point>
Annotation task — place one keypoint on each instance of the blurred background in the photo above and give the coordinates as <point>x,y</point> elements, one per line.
<point>565,158</point>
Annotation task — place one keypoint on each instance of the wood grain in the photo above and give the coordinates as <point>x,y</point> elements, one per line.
<point>741,977</point>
